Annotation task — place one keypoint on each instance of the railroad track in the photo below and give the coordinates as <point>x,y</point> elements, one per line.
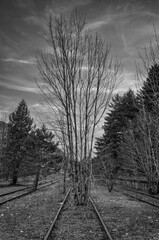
<point>10,196</point>
<point>15,191</point>
<point>142,193</point>
<point>106,231</point>
<point>48,236</point>
<point>140,196</point>
<point>22,189</point>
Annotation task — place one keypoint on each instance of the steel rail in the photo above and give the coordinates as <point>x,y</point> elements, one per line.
<point>141,200</point>
<point>142,193</point>
<point>51,182</point>
<point>22,189</point>
<point>27,193</point>
<point>107,233</point>
<point>56,217</point>
<point>11,192</point>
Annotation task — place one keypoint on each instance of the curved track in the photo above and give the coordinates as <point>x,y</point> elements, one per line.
<point>25,191</point>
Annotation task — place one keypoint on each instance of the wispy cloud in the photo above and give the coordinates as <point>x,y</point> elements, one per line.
<point>97,24</point>
<point>108,18</point>
<point>39,21</point>
<point>42,108</point>
<point>22,61</point>
<point>36,105</point>
<point>20,88</point>
<point>26,89</point>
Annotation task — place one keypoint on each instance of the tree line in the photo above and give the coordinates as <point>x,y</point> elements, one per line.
<point>130,142</point>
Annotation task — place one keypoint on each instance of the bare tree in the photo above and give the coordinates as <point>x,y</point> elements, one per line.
<point>148,82</point>
<point>59,126</point>
<point>79,76</point>
<point>141,148</point>
<point>148,57</point>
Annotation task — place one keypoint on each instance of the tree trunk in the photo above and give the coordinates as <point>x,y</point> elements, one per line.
<point>64,180</point>
<point>81,184</point>
<point>110,181</point>
<point>110,185</point>
<point>157,188</point>
<point>36,178</point>
<point>16,170</point>
<point>7,176</point>
<point>151,186</point>
<point>65,166</point>
<point>15,177</point>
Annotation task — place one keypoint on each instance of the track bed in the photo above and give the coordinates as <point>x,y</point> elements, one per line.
<point>78,222</point>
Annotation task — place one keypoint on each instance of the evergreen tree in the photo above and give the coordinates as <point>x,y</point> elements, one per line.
<point>19,126</point>
<point>102,142</point>
<point>145,131</point>
<point>42,148</point>
<point>123,110</point>
<point>99,144</point>
<point>149,93</point>
<point>3,139</point>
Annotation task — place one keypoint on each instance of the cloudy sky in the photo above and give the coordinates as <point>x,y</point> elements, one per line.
<point>126,24</point>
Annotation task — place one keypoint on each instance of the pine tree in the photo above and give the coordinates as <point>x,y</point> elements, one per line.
<point>42,148</point>
<point>148,98</point>
<point>99,144</point>
<point>123,110</point>
<point>149,93</point>
<point>3,139</point>
<point>19,126</point>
